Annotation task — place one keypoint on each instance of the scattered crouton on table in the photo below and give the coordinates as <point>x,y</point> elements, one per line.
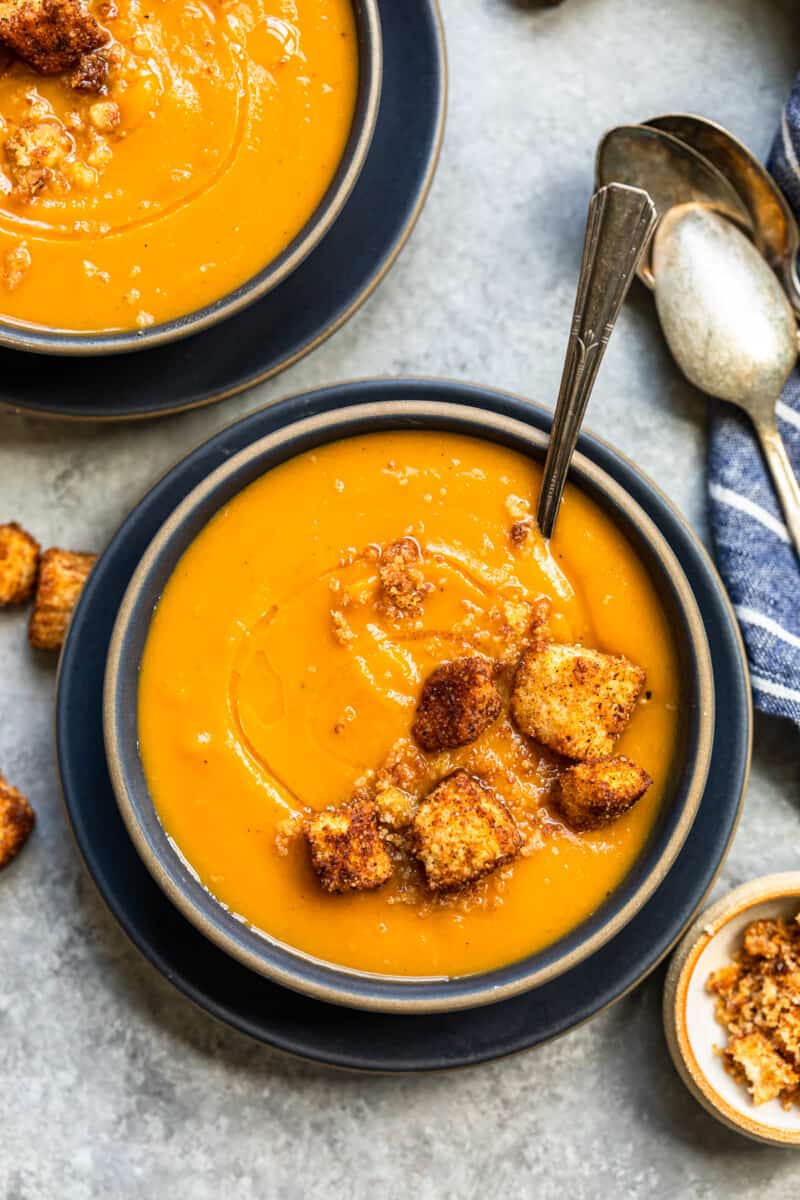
<point>347,850</point>
<point>19,562</point>
<point>49,35</point>
<point>592,794</point>
<point>459,700</point>
<point>462,831</point>
<point>573,700</point>
<point>17,820</point>
<point>62,574</point>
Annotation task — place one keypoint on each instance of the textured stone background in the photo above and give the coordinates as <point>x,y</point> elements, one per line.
<point>111,1084</point>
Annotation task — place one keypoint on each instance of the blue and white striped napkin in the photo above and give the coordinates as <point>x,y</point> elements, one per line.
<point>754,553</point>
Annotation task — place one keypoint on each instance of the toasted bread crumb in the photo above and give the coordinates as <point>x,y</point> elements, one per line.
<point>62,574</point>
<point>768,1076</point>
<point>459,700</point>
<point>347,850</point>
<point>402,578</point>
<point>19,563</point>
<point>462,831</point>
<point>17,820</point>
<point>573,700</point>
<point>593,794</point>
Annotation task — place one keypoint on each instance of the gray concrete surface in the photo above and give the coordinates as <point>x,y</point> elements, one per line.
<point>112,1085</point>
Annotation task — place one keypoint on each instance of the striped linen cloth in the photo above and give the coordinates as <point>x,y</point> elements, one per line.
<point>754,553</point>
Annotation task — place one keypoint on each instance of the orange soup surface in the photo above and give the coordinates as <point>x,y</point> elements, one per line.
<point>153,180</point>
<point>272,685</point>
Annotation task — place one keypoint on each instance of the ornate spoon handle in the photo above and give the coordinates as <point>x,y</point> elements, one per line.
<point>621,220</point>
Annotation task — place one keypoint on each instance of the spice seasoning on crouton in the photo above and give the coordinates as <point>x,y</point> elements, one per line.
<point>573,700</point>
<point>49,35</point>
<point>459,700</point>
<point>402,578</point>
<point>17,820</point>
<point>593,794</point>
<point>347,850</point>
<point>62,575</point>
<point>462,831</point>
<point>758,1003</point>
<point>19,563</point>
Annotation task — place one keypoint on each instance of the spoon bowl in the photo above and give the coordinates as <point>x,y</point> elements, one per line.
<point>729,326</point>
<point>775,231</point>
<point>670,171</point>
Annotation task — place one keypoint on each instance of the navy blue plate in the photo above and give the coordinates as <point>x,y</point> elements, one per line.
<point>314,301</point>
<point>344,1037</point>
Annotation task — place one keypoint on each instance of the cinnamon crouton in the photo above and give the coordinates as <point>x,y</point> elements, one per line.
<point>459,700</point>
<point>462,831</point>
<point>19,562</point>
<point>347,851</point>
<point>767,1074</point>
<point>402,579</point>
<point>49,35</point>
<point>573,700</point>
<point>592,794</point>
<point>62,575</point>
<point>17,820</point>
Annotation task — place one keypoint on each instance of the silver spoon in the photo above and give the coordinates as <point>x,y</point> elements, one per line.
<point>670,171</point>
<point>775,231</point>
<point>619,226</point>
<point>730,327</point>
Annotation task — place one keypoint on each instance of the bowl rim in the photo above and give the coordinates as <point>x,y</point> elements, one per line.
<point>46,340</point>
<point>775,887</point>
<point>338,981</point>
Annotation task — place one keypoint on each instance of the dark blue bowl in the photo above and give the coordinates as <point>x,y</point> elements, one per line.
<point>456,410</point>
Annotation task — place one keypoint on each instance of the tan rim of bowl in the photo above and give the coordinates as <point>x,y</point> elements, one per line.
<point>777,890</point>
<point>432,414</point>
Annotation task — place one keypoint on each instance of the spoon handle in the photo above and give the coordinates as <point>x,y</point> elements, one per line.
<point>783,476</point>
<point>620,222</point>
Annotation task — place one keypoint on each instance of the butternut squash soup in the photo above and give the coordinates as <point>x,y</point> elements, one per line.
<point>169,153</point>
<point>389,725</point>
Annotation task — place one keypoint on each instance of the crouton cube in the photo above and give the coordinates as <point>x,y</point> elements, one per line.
<point>459,700</point>
<point>347,851</point>
<point>573,700</point>
<point>402,577</point>
<point>766,1072</point>
<point>17,820</point>
<point>462,831</point>
<point>62,575</point>
<point>19,562</point>
<point>593,794</point>
<point>49,35</point>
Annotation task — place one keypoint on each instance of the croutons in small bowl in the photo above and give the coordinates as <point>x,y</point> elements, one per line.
<point>731,1011</point>
<point>494,418</point>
